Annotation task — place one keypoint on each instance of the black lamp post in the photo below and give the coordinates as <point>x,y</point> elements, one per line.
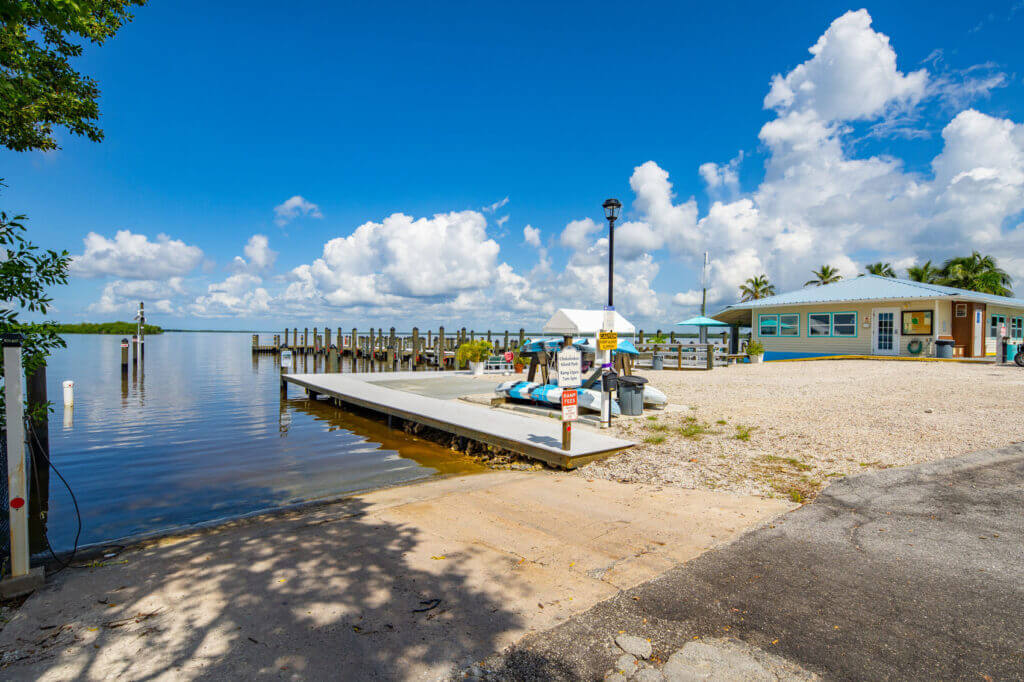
<point>611,212</point>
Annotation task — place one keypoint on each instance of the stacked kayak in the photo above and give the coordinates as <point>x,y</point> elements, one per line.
<point>550,394</point>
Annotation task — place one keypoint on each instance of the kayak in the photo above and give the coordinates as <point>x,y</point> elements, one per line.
<point>653,397</point>
<point>587,398</point>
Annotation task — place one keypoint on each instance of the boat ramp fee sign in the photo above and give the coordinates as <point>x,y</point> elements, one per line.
<point>570,406</point>
<point>607,341</point>
<point>570,367</point>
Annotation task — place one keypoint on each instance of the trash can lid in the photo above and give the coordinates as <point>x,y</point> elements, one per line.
<point>632,381</point>
<point>944,342</point>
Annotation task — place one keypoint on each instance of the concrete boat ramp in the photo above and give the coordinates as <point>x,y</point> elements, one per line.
<point>536,438</point>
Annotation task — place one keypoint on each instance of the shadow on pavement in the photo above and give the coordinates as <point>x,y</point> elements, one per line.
<point>325,595</point>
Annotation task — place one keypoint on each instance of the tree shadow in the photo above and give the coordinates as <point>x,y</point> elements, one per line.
<point>328,592</point>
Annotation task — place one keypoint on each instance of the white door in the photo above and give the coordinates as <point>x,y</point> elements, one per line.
<point>979,333</point>
<point>885,333</point>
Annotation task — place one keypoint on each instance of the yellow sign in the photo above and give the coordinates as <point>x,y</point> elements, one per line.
<point>607,341</point>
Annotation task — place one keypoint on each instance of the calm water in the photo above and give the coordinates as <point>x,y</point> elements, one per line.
<point>200,433</point>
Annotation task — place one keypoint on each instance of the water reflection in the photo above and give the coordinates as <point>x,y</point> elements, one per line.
<point>209,438</point>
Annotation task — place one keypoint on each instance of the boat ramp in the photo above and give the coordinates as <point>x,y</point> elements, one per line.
<point>536,438</point>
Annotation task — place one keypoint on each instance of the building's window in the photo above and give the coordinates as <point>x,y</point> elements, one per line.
<point>995,322</point>
<point>819,324</point>
<point>789,324</point>
<point>961,310</point>
<point>844,324</point>
<point>768,325</point>
<point>1017,327</point>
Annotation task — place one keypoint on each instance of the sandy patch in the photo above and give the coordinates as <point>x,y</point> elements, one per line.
<point>788,428</point>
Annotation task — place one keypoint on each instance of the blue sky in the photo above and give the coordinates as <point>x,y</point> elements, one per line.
<point>215,115</point>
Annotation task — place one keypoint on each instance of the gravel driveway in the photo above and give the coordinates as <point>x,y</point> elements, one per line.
<point>788,428</point>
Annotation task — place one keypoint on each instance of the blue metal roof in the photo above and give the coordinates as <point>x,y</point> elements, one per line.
<point>872,288</point>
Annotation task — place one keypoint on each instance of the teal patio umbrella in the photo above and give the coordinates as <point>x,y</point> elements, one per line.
<point>701,321</point>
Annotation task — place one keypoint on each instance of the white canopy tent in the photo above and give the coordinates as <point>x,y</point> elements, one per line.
<point>576,323</point>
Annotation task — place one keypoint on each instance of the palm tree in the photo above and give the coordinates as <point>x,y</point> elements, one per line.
<point>826,275</point>
<point>880,269</point>
<point>927,273</point>
<point>977,273</point>
<point>757,287</point>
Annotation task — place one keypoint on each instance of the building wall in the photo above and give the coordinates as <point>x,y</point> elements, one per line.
<point>803,344</point>
<point>991,342</point>
<point>780,347</point>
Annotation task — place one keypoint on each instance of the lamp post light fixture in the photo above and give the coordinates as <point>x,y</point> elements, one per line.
<point>611,212</point>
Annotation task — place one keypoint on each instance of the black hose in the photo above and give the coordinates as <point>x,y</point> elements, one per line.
<point>39,448</point>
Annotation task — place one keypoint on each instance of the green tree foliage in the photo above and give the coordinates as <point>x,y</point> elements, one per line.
<point>474,351</point>
<point>25,274</point>
<point>756,287</point>
<point>39,89</point>
<point>119,328</point>
<point>977,273</point>
<point>880,269</point>
<point>927,273</point>
<point>826,275</point>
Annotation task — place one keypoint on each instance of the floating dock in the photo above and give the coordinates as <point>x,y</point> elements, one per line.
<point>535,438</point>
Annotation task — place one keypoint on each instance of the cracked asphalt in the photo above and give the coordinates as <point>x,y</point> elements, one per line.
<point>912,573</point>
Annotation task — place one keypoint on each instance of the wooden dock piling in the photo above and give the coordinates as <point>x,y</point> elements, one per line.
<point>439,353</point>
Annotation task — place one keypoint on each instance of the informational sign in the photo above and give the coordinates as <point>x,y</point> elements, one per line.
<point>570,406</point>
<point>917,322</point>
<point>570,367</point>
<point>607,341</point>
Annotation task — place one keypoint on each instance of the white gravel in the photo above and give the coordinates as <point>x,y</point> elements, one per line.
<point>811,422</point>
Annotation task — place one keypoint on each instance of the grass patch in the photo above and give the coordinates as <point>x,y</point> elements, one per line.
<point>693,429</point>
<point>659,427</point>
<point>791,461</point>
<point>653,418</point>
<point>654,440</point>
<point>799,490</point>
<point>743,432</point>
<point>721,422</point>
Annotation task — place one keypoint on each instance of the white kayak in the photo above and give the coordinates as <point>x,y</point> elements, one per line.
<point>654,398</point>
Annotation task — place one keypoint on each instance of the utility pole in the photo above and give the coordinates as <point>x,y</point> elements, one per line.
<point>704,298</point>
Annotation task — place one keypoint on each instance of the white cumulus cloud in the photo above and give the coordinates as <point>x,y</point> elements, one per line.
<point>134,256</point>
<point>292,208</point>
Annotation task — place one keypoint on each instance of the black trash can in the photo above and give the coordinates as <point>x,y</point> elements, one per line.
<point>631,395</point>
<point>944,348</point>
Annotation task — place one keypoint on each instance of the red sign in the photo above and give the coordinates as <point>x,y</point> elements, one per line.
<point>570,407</point>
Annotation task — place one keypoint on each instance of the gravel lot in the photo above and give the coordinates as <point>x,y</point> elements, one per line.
<point>789,428</point>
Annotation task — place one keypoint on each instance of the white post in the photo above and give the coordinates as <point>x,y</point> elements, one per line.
<point>17,490</point>
<point>606,361</point>
<point>606,397</point>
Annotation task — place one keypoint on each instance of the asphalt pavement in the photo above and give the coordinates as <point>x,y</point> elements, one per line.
<point>904,574</point>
